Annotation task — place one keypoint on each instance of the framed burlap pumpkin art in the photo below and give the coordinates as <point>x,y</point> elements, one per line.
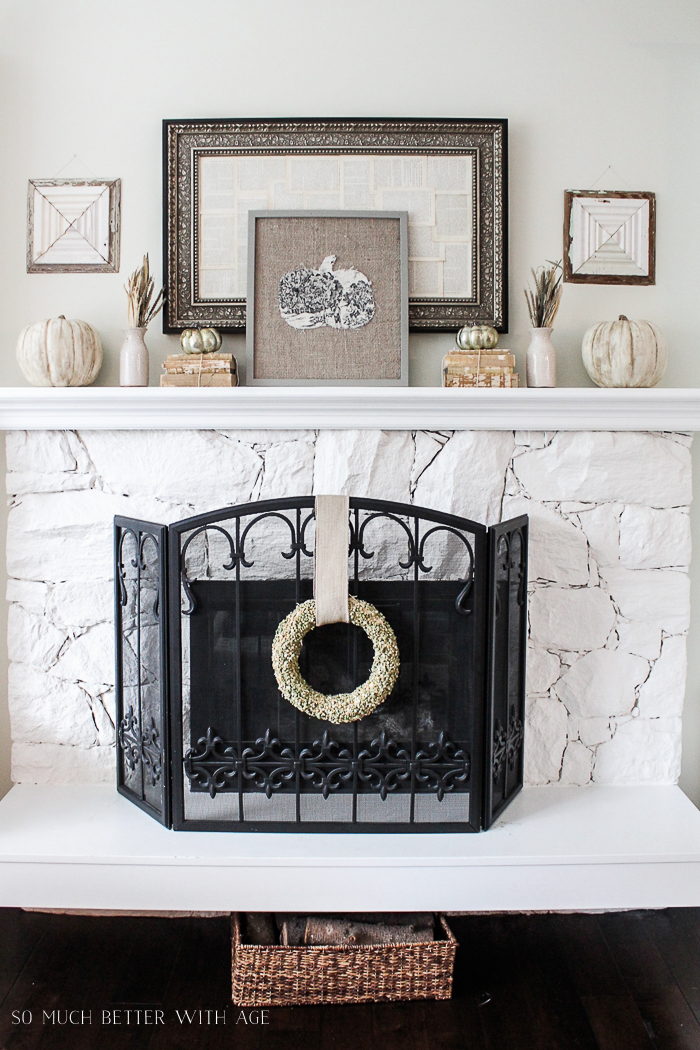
<point>327,298</point>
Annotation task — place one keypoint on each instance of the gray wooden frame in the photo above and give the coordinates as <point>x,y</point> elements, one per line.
<point>485,140</point>
<point>112,264</point>
<point>253,217</point>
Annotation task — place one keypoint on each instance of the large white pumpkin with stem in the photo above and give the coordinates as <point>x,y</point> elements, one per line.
<point>58,352</point>
<point>624,353</point>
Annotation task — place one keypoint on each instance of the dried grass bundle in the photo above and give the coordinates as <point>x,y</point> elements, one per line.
<point>139,291</point>
<point>543,303</point>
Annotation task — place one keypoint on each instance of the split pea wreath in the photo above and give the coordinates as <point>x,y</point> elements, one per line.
<point>343,707</point>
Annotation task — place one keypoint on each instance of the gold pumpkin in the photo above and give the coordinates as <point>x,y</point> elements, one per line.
<point>624,353</point>
<point>58,352</point>
<point>200,341</point>
<point>477,337</point>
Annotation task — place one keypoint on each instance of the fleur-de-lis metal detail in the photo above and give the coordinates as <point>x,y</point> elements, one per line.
<point>506,745</point>
<point>326,765</point>
<point>141,747</point>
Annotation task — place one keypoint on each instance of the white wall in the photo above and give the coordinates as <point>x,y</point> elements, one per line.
<point>584,83</point>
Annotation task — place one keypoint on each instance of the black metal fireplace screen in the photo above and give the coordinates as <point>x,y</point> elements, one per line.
<point>207,742</point>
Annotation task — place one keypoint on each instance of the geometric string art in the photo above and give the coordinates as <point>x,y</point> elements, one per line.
<point>73,226</point>
<point>609,237</point>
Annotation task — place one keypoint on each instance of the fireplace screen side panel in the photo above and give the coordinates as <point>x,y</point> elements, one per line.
<point>507,646</point>
<point>140,580</point>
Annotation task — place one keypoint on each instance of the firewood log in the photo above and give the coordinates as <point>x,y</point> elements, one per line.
<point>345,931</point>
<point>260,928</point>
<point>387,918</point>
<point>291,928</point>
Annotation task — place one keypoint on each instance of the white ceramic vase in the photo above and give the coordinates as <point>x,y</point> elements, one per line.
<point>541,360</point>
<point>133,358</point>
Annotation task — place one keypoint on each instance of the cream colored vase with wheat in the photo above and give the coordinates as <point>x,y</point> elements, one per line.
<point>542,305</point>
<point>134,364</point>
<point>541,359</point>
<point>624,353</point>
<point>58,352</point>
<point>133,356</point>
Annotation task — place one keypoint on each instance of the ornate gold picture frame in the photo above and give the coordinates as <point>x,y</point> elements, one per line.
<point>450,176</point>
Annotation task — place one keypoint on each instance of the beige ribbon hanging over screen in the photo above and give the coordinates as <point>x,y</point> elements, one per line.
<point>331,560</point>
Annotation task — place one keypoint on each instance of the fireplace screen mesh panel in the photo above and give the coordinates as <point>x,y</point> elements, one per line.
<point>243,758</point>
<point>335,658</point>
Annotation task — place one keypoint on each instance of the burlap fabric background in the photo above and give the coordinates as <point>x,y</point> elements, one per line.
<point>371,245</point>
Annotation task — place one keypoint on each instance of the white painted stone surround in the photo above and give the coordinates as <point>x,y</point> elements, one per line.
<point>609,556</point>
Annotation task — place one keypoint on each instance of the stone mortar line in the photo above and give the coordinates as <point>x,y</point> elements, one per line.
<point>92,473</point>
<point>313,466</point>
<point>94,721</point>
<point>613,725</point>
<point>412,482</point>
<point>260,479</point>
<point>430,433</point>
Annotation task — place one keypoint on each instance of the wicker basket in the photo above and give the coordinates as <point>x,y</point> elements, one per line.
<point>346,973</point>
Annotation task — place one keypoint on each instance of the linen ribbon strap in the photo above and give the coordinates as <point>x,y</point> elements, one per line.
<point>331,560</point>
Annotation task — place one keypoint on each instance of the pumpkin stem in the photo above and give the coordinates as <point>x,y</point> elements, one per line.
<point>622,317</point>
<point>61,317</point>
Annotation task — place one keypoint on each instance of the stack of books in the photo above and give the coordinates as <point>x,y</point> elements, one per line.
<point>200,370</point>
<point>479,368</point>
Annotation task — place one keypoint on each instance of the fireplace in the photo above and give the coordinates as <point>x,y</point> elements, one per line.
<point>206,741</point>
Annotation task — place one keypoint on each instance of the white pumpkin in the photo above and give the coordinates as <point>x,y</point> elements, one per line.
<point>624,353</point>
<point>59,353</point>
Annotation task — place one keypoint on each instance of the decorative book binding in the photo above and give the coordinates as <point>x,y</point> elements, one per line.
<point>200,370</point>
<point>480,368</point>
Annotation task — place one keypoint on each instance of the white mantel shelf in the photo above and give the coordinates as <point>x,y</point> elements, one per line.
<point>339,408</point>
<point>555,848</point>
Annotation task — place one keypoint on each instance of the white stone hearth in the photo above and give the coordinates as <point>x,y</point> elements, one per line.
<point>609,555</point>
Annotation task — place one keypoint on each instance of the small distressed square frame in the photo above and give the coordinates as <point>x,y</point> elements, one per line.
<point>111,263</point>
<point>402,219</point>
<point>570,275</point>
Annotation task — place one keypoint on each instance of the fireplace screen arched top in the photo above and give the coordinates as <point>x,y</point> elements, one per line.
<point>275,539</point>
<point>442,752</point>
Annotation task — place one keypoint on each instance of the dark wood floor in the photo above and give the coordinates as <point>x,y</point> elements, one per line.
<point>541,982</point>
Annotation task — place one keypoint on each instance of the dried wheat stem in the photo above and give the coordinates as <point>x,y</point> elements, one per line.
<point>139,292</point>
<point>543,302</point>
